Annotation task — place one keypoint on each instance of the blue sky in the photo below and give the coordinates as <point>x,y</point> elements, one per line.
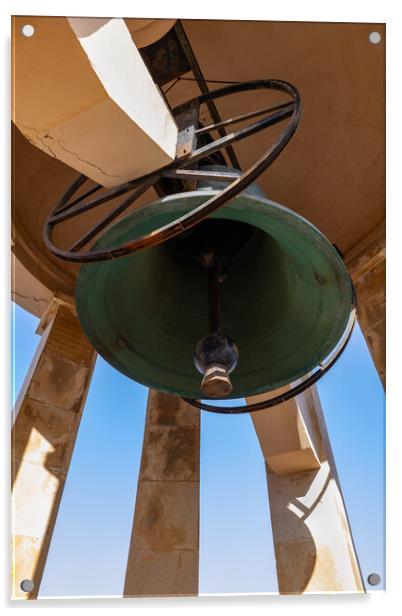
<point>89,547</point>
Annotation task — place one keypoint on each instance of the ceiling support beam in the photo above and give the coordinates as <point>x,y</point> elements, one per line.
<point>99,112</point>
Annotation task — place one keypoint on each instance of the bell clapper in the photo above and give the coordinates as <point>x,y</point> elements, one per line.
<point>215,355</point>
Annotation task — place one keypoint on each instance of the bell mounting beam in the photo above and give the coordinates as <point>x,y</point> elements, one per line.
<point>83,112</point>
<point>195,67</point>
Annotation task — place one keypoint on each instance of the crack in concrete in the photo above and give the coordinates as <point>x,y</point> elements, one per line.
<point>29,297</point>
<point>40,139</point>
<point>60,143</point>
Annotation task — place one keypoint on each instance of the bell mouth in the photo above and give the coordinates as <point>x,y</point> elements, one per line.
<point>285,301</point>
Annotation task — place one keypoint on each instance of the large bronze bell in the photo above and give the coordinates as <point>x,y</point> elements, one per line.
<point>254,291</point>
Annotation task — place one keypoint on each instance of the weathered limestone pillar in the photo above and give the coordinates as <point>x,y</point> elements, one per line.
<point>163,554</point>
<point>366,264</point>
<point>46,420</point>
<point>313,543</point>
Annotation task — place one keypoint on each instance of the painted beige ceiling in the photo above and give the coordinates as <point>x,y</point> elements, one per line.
<point>332,172</point>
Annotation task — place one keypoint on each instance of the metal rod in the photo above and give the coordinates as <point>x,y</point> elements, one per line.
<point>291,393</point>
<point>225,81</point>
<point>246,86</point>
<point>60,216</point>
<point>238,135</point>
<point>192,60</point>
<point>214,298</point>
<point>208,149</point>
<point>195,216</point>
<point>81,198</point>
<point>242,118</point>
<point>71,190</point>
<point>93,232</point>
<point>196,174</point>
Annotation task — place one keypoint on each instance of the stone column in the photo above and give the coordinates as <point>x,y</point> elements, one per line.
<point>46,420</point>
<point>313,543</point>
<point>163,554</point>
<point>366,264</point>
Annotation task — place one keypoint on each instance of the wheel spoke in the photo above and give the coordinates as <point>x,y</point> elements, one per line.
<point>271,120</point>
<point>81,179</point>
<point>108,196</point>
<point>242,118</point>
<point>196,174</point>
<point>106,220</point>
<point>65,209</point>
<point>192,60</point>
<point>79,199</point>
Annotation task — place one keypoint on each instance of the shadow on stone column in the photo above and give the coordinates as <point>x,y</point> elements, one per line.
<point>312,539</point>
<point>47,417</point>
<point>164,548</point>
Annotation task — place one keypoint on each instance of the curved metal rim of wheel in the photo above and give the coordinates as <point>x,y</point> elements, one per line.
<point>66,209</point>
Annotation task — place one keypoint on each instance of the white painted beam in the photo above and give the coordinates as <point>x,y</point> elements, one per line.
<point>83,94</point>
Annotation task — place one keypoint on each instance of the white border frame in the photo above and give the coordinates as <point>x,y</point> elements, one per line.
<point>387,11</point>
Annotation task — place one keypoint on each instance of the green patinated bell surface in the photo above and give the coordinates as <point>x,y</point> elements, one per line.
<point>286,300</point>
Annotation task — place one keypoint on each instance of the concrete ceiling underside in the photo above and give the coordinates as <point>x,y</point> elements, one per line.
<point>332,171</point>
